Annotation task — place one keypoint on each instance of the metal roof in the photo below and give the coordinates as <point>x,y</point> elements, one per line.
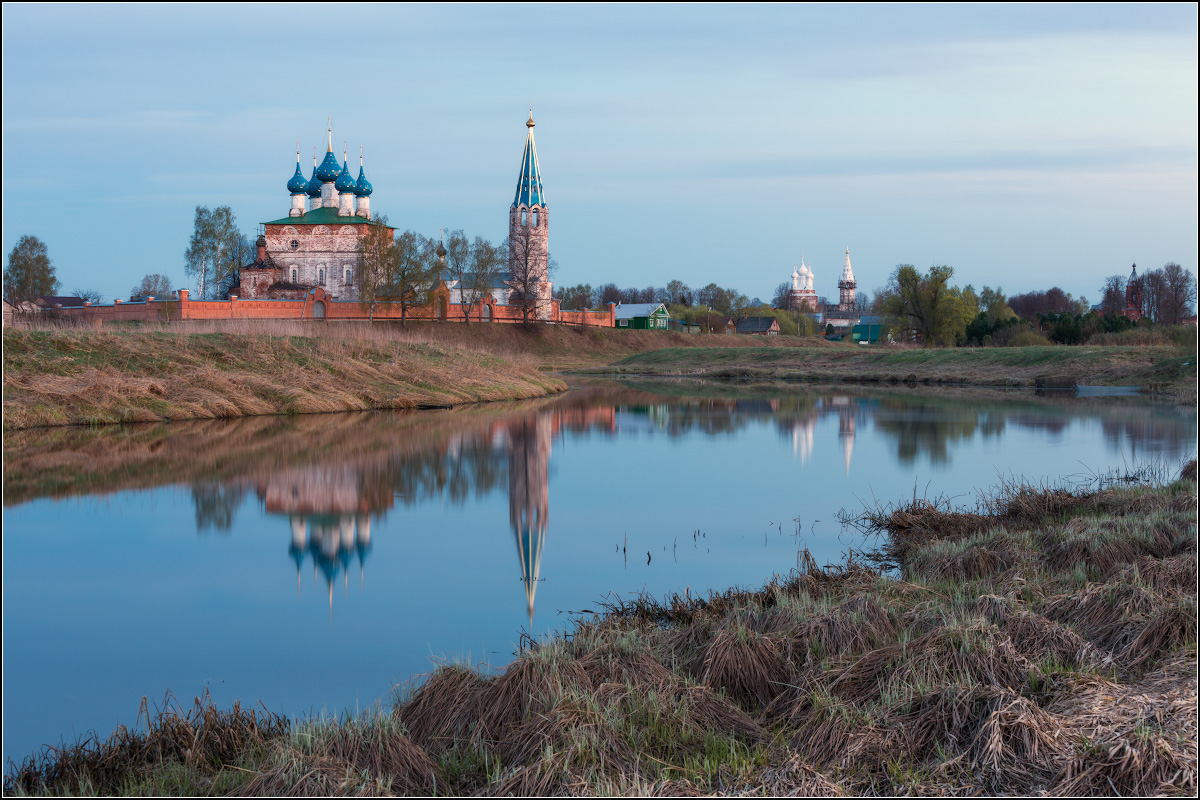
<point>320,216</point>
<point>631,310</point>
<point>755,324</point>
<point>529,183</point>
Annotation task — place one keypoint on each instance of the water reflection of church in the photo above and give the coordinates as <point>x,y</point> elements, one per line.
<point>330,508</point>
<point>800,423</point>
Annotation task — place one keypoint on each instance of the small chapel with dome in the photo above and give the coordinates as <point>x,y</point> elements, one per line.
<point>316,244</point>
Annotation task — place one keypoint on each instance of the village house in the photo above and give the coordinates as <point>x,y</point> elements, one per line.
<point>642,316</point>
<point>758,326</point>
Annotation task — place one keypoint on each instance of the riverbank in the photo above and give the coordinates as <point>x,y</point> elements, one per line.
<point>73,377</point>
<point>1044,642</point>
<point>226,369</point>
<point>1161,370</point>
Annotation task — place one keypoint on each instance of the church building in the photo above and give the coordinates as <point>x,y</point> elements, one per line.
<point>316,245</point>
<point>802,292</point>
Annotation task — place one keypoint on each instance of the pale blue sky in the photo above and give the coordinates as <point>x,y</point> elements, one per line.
<point>1026,146</point>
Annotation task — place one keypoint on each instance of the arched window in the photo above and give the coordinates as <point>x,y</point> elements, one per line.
<point>347,275</point>
<point>524,220</point>
<point>535,218</point>
<point>321,277</point>
<point>293,275</point>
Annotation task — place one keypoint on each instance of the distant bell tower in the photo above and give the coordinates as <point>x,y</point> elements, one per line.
<point>846,286</point>
<point>529,228</point>
<point>1133,296</point>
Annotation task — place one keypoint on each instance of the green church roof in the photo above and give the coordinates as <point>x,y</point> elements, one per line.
<point>320,216</point>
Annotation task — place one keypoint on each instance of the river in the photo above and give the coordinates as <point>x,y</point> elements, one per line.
<point>315,564</point>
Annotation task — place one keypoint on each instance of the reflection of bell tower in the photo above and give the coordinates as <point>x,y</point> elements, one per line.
<point>529,494</point>
<point>846,413</point>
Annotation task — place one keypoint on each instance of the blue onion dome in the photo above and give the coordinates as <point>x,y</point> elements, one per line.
<point>345,181</point>
<point>298,184</point>
<point>363,187</point>
<point>329,170</point>
<point>314,185</point>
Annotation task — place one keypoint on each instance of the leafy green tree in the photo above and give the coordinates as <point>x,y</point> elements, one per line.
<point>29,274</point>
<point>577,297</point>
<point>214,251</point>
<point>928,306</point>
<point>415,267</point>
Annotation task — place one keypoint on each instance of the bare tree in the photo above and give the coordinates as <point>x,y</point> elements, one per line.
<point>783,295</point>
<point>1112,295</point>
<point>476,266</point>
<point>679,292</point>
<point>92,296</point>
<point>156,285</point>
<point>530,268</point>
<point>1179,293</point>
<point>609,293</point>
<point>376,264</point>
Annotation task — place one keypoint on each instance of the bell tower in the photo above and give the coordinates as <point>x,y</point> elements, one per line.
<point>846,286</point>
<point>529,233</point>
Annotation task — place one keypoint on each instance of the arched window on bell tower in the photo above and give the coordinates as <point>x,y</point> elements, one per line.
<point>535,218</point>
<point>524,218</point>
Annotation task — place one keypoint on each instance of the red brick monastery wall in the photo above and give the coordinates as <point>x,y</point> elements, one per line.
<point>156,310</point>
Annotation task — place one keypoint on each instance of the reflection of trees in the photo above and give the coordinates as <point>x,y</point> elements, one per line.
<point>928,430</point>
<point>333,471</point>
<point>1150,436</point>
<point>215,505</point>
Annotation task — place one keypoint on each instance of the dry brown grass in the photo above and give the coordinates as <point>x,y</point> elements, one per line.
<point>64,377</point>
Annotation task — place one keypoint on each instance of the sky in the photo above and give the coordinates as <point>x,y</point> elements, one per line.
<point>1026,146</point>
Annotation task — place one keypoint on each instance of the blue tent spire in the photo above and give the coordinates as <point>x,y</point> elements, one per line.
<point>529,184</point>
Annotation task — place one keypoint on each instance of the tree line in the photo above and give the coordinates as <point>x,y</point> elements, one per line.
<point>927,307</point>
<point>402,268</point>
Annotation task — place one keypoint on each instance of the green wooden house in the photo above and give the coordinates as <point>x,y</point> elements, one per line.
<point>642,316</point>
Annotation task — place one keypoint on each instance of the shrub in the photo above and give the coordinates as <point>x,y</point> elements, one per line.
<point>1027,339</point>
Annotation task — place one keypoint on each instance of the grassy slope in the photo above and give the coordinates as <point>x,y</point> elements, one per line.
<point>1046,644</point>
<point>72,377</point>
<point>1158,368</point>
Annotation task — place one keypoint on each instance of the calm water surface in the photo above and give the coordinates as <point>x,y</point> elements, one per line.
<point>315,563</point>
